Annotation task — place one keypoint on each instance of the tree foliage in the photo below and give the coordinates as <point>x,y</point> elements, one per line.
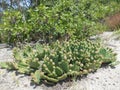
<point>55,20</point>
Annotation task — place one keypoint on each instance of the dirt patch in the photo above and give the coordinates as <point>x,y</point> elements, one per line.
<point>113,21</point>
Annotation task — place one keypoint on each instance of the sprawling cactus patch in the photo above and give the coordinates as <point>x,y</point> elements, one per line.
<point>53,63</point>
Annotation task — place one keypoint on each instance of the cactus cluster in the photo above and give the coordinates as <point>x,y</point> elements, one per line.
<point>25,60</point>
<point>55,62</point>
<point>73,58</point>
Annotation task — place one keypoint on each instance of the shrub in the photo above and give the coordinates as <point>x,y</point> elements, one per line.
<point>56,62</point>
<point>53,20</point>
<point>14,28</point>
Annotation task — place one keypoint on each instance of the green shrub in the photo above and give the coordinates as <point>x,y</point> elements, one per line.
<point>59,19</point>
<point>56,62</point>
<point>14,28</point>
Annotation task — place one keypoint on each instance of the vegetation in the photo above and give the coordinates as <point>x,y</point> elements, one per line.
<point>64,27</point>
<point>53,63</point>
<point>59,20</point>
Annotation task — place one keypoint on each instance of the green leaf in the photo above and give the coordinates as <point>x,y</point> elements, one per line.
<point>113,64</point>
<point>64,66</point>
<point>34,64</point>
<point>58,71</point>
<point>39,48</point>
<point>36,76</point>
<point>7,65</point>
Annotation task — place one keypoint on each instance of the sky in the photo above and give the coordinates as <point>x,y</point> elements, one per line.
<point>23,3</point>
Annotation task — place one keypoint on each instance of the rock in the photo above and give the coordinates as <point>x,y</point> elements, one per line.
<point>3,46</point>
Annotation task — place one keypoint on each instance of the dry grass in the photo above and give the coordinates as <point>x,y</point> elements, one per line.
<point>113,21</point>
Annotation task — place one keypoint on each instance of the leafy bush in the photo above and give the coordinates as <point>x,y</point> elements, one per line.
<point>53,63</point>
<point>59,19</point>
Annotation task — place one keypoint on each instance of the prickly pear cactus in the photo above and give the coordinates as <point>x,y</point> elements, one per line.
<point>55,62</point>
<point>73,58</point>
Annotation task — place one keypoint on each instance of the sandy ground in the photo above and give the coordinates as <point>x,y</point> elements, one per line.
<point>105,78</point>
